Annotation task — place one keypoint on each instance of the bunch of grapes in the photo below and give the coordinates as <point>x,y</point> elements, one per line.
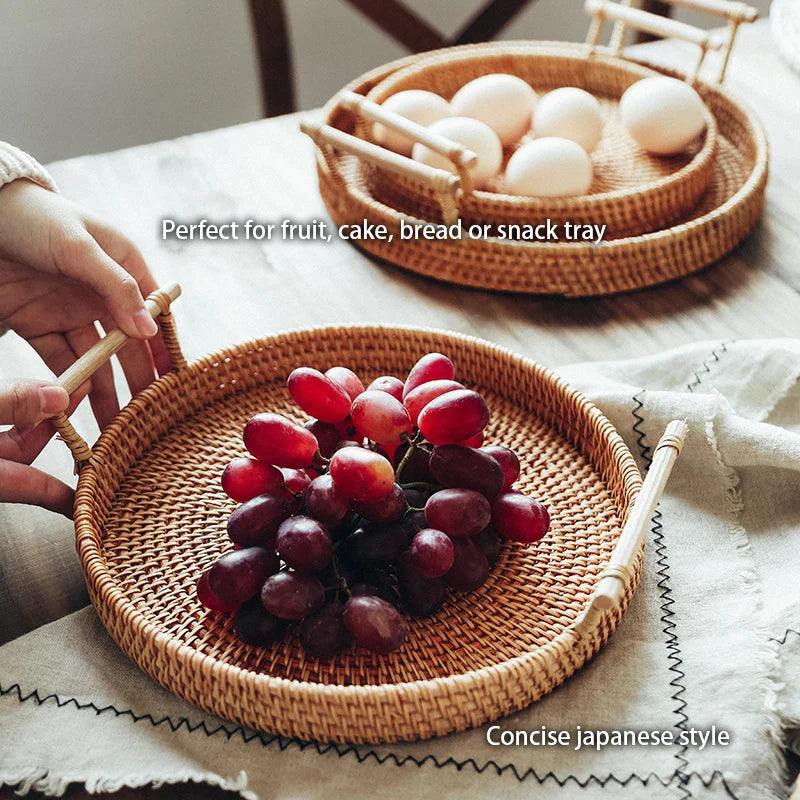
<point>377,505</point>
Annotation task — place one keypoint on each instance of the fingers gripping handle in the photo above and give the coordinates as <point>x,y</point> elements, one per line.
<point>157,304</point>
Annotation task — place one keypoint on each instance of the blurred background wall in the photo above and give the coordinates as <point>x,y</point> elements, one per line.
<point>83,76</point>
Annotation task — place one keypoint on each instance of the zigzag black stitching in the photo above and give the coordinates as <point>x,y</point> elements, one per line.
<point>786,633</point>
<point>344,750</point>
<point>669,628</point>
<point>705,369</point>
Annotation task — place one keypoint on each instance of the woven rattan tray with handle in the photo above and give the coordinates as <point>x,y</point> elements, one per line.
<point>718,194</point>
<point>150,516</point>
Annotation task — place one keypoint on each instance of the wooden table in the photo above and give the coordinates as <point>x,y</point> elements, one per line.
<point>264,170</point>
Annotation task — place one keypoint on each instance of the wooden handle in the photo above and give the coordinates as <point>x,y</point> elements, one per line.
<point>728,9</point>
<point>157,303</point>
<point>462,158</point>
<point>83,369</point>
<point>439,180</point>
<point>619,570</point>
<point>652,23</point>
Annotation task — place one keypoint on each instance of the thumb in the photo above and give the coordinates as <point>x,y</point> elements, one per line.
<point>27,402</point>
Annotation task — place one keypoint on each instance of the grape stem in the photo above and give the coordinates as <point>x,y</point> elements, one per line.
<point>342,581</point>
<point>412,446</point>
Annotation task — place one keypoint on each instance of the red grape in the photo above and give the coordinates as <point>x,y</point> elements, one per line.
<point>380,417</point>
<point>296,480</point>
<point>324,634</point>
<point>470,568</point>
<point>324,501</point>
<point>238,576</point>
<point>346,428</point>
<point>304,544</point>
<point>520,518</point>
<point>327,435</point>
<point>256,521</point>
<point>374,624</point>
<point>458,512</point>
<point>453,417</point>
<point>391,508</point>
<point>288,595</point>
<point>348,443</point>
<point>346,379</point>
<point>508,460</point>
<point>362,474</point>
<point>244,478</point>
<point>431,367</point>
<point>432,553</point>
<point>277,440</point>
<point>317,395</point>
<point>374,590</point>
<point>459,467</point>
<point>490,544</point>
<point>389,384</point>
<point>256,626</point>
<point>421,596</point>
<point>474,441</point>
<point>208,598</point>
<point>417,399</point>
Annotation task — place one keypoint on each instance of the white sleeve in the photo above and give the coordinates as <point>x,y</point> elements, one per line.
<point>14,164</point>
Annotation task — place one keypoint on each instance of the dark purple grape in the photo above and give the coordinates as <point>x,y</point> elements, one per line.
<point>327,435</point>
<point>304,544</point>
<point>239,575</point>
<point>414,521</point>
<point>291,596</point>
<point>421,596</point>
<point>256,522</point>
<point>255,625</point>
<point>432,553</point>
<point>324,501</point>
<point>324,634</point>
<point>390,509</point>
<point>416,498</point>
<point>458,512</point>
<point>458,467</point>
<point>376,590</point>
<point>490,544</point>
<point>208,598</point>
<point>417,468</point>
<point>508,461</point>
<point>379,545</point>
<point>470,567</point>
<point>374,624</point>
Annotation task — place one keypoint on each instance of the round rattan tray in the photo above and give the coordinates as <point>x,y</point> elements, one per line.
<point>150,517</point>
<point>632,191</point>
<point>723,217</point>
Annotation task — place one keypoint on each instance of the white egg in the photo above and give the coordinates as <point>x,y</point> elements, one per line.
<point>503,102</point>
<point>664,115</point>
<point>549,167</point>
<point>417,105</point>
<point>569,113</point>
<point>475,136</point>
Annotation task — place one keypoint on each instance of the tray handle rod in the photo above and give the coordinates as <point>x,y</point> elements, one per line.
<point>157,304</point>
<point>461,158</point>
<point>444,183</point>
<point>619,570</point>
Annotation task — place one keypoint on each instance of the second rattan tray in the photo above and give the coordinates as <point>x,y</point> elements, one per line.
<point>150,516</point>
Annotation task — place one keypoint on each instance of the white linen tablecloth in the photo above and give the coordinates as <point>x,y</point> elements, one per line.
<point>712,638</point>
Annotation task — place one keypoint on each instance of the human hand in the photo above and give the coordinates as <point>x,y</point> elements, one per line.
<point>26,404</point>
<point>62,270</point>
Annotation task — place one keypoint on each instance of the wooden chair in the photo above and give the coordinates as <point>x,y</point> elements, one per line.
<point>393,17</point>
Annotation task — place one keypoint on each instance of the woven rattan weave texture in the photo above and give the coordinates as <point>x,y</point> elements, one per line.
<point>150,517</point>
